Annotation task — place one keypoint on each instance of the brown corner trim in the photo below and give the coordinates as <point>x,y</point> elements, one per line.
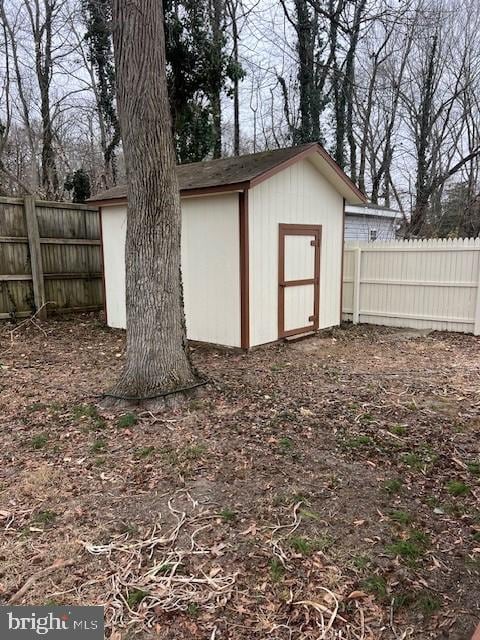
<point>341,264</point>
<point>235,187</point>
<point>244,271</point>
<point>223,188</point>
<point>109,202</point>
<point>104,289</point>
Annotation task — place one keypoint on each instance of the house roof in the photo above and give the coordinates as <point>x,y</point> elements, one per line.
<point>372,210</point>
<point>241,172</point>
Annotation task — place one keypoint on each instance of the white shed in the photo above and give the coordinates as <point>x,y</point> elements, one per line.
<point>262,245</point>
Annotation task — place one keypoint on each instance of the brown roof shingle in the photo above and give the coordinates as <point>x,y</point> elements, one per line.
<point>225,172</point>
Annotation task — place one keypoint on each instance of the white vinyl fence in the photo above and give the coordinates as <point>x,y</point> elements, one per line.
<point>422,284</point>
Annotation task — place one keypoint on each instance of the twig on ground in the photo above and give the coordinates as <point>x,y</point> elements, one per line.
<point>58,564</point>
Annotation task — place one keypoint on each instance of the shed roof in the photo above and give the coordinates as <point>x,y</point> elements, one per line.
<point>242,172</point>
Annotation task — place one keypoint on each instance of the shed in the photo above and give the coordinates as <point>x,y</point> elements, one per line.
<point>369,222</point>
<point>262,245</point>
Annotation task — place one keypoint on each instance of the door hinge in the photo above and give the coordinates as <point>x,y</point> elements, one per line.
<point>312,318</point>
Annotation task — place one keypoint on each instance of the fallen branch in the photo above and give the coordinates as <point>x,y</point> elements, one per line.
<point>58,564</point>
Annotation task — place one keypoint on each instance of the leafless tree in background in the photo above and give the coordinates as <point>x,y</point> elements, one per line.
<point>390,89</point>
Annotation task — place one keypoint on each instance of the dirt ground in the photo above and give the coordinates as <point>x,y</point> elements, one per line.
<point>323,489</point>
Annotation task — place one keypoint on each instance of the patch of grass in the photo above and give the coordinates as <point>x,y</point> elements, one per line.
<point>392,486</point>
<point>306,546</point>
<point>457,488</point>
<point>410,549</point>
<point>129,528</point>
<point>309,515</point>
<point>376,585</point>
<point>99,446</point>
<point>301,545</point>
<point>169,455</point>
<point>476,536</point>
<point>127,420</point>
<point>401,517</point>
<point>143,452</point>
<point>84,411</point>
<point>135,597</point>
<point>99,461</point>
<point>46,517</point>
<point>89,412</point>
<point>357,442</point>
<point>286,445</point>
<point>36,406</point>
<point>398,429</point>
<point>277,570</point>
<point>428,603</point>
<point>228,515</point>
<point>193,610</point>
<point>361,562</point>
<point>39,441</point>
<point>413,460</point>
<point>474,468</point>
<point>367,418</point>
<point>166,567</point>
<point>193,452</point>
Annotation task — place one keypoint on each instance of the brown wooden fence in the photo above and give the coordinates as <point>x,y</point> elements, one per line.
<point>50,257</point>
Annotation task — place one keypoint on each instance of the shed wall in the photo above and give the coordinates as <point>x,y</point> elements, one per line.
<point>210,267</point>
<point>296,195</point>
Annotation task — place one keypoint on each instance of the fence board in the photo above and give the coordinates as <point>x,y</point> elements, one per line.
<point>422,284</point>
<point>62,240</point>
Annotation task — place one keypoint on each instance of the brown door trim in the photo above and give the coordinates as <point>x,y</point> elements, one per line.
<point>298,230</point>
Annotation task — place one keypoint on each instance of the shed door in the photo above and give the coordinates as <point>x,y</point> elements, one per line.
<point>298,278</point>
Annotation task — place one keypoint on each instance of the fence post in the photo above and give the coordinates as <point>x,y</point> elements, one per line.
<point>476,327</point>
<point>356,285</point>
<point>35,256</point>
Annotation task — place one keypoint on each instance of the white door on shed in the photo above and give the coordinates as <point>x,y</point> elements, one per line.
<point>299,279</point>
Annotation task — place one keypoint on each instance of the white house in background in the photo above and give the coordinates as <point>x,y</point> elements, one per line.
<point>369,222</point>
<point>262,245</point>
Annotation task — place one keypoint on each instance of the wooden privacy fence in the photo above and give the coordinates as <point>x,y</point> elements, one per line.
<point>50,257</point>
<point>423,284</point>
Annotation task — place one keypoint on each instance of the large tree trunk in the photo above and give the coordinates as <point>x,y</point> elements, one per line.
<point>157,360</point>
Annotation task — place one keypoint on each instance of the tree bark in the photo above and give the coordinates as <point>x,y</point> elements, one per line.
<point>157,360</point>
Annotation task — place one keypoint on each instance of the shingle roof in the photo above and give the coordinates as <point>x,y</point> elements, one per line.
<point>226,172</point>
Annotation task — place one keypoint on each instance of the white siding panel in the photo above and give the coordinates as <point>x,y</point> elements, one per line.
<point>210,267</point>
<point>296,195</point>
<point>114,227</point>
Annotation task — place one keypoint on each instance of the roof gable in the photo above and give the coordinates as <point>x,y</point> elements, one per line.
<point>243,172</point>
